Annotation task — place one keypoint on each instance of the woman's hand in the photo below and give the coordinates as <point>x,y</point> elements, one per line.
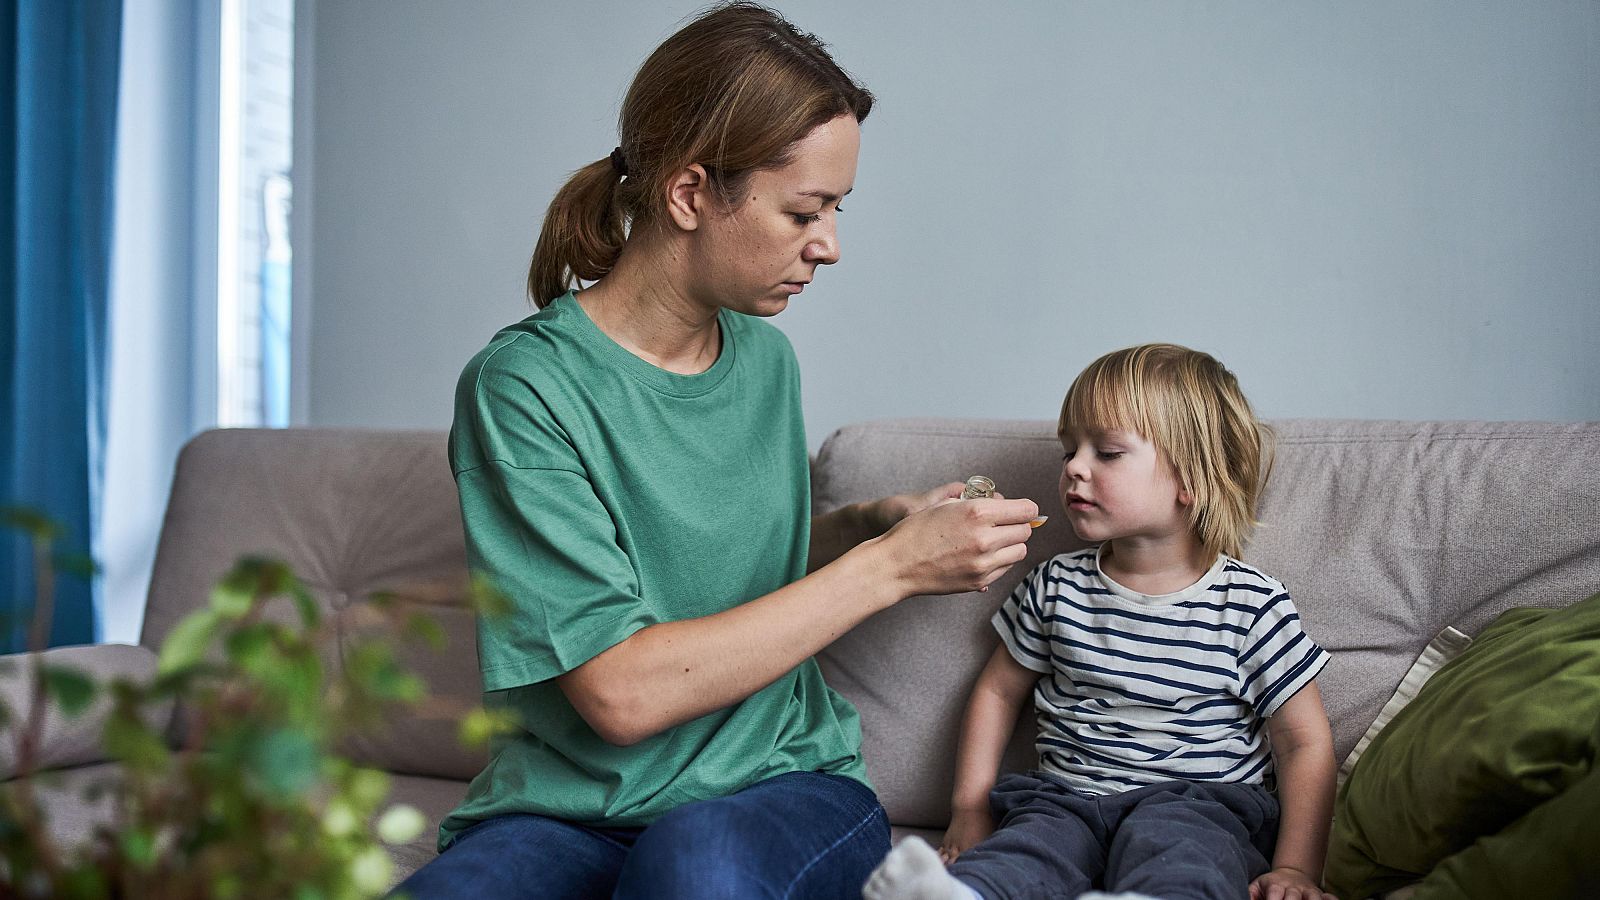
<point>967,827</point>
<point>887,512</point>
<point>955,546</point>
<point>1284,883</point>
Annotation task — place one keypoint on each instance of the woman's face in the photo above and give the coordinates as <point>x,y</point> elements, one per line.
<point>754,256</point>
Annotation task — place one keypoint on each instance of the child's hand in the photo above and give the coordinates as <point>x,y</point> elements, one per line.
<point>1287,884</point>
<point>967,827</point>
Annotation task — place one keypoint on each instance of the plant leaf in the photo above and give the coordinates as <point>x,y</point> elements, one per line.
<point>81,565</point>
<point>72,690</point>
<point>425,628</point>
<point>129,740</point>
<point>187,642</point>
<point>480,725</point>
<point>285,762</point>
<point>310,615</point>
<point>400,824</point>
<point>35,524</point>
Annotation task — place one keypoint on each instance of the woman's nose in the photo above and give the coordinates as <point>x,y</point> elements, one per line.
<point>824,250</point>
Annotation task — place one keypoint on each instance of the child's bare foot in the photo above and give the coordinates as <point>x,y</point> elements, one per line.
<point>913,871</point>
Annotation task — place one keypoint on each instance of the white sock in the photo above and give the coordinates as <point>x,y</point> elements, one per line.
<point>914,871</point>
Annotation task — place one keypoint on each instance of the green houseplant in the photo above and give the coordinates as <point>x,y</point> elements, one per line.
<point>246,794</point>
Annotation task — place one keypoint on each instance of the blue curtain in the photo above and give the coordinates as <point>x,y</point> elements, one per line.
<point>58,112</point>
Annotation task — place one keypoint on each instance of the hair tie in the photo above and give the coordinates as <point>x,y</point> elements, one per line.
<point>619,163</point>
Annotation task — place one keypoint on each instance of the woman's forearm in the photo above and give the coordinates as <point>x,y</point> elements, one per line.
<point>835,533</point>
<point>670,673</point>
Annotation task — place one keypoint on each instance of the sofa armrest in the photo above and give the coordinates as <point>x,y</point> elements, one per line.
<point>75,741</point>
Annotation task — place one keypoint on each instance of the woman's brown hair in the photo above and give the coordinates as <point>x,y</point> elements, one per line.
<point>732,91</point>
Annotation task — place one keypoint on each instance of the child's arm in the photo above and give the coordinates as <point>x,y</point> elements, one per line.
<point>986,728</point>
<point>1302,748</point>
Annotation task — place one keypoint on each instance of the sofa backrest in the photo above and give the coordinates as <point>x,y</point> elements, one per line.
<point>1384,533</point>
<point>352,512</point>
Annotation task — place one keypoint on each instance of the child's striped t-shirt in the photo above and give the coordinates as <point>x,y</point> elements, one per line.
<point>1141,689</point>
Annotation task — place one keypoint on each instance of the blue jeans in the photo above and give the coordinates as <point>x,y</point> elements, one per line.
<point>799,835</point>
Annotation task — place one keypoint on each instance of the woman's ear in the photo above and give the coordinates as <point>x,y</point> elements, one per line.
<point>688,196</point>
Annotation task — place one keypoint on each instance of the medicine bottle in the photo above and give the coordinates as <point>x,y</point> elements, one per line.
<point>978,487</point>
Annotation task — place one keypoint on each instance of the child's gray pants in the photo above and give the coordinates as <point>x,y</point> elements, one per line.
<point>1179,839</point>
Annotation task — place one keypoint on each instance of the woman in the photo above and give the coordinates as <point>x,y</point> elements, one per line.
<point>633,475</point>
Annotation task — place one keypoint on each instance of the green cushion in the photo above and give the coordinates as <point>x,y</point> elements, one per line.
<point>1504,728</point>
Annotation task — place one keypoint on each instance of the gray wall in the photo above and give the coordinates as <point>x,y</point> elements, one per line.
<point>1367,210</point>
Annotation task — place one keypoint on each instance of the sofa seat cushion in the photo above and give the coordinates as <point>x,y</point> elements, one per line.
<point>435,797</point>
<point>1488,774</point>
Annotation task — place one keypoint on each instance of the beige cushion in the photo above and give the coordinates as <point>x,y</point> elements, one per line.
<point>1384,533</point>
<point>66,742</point>
<point>352,512</point>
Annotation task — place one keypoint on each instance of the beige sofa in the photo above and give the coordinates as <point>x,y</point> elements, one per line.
<point>1384,532</point>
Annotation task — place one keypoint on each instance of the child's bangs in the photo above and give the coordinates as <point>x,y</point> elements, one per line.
<point>1104,398</point>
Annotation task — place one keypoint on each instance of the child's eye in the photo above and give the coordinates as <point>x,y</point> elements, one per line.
<point>1110,454</point>
<point>1066,456</point>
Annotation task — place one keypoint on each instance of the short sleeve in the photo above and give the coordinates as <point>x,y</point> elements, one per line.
<point>536,528</point>
<point>1278,658</point>
<point>1021,622</point>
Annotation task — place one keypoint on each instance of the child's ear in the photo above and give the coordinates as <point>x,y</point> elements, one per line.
<point>1185,496</point>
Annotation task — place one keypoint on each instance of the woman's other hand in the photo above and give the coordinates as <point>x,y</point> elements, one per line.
<point>888,511</point>
<point>967,827</point>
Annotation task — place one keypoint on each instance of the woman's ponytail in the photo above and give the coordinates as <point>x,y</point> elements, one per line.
<point>582,234</point>
<point>733,91</point>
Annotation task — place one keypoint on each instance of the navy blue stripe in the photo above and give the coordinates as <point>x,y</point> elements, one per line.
<point>1269,606</point>
<point>1228,649</point>
<point>1288,680</point>
<point>1271,661</point>
<point>1230,674</point>
<point>1226,586</point>
<point>1271,633</point>
<point>1120,763</point>
<point>1155,620</point>
<point>1073,665</point>
<point>1016,644</point>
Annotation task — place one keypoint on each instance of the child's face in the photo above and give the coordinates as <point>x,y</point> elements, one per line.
<point>1114,484</point>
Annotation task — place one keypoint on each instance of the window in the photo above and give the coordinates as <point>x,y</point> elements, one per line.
<point>254,191</point>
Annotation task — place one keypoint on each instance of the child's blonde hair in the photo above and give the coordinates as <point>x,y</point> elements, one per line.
<point>1190,407</point>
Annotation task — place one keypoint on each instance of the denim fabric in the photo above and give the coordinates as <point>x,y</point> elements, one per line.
<point>1176,839</point>
<point>800,835</point>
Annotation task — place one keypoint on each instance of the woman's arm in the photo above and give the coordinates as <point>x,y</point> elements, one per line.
<point>832,535</point>
<point>991,716</point>
<point>670,673</point>
<point>1302,750</point>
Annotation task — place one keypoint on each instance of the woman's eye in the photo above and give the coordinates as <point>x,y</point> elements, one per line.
<point>805,219</point>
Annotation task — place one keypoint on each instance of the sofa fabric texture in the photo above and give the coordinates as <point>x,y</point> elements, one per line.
<point>1384,533</point>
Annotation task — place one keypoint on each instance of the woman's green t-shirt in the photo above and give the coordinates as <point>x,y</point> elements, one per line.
<point>602,495</point>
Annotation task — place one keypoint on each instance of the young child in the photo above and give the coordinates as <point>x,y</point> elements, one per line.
<point>1156,660</point>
